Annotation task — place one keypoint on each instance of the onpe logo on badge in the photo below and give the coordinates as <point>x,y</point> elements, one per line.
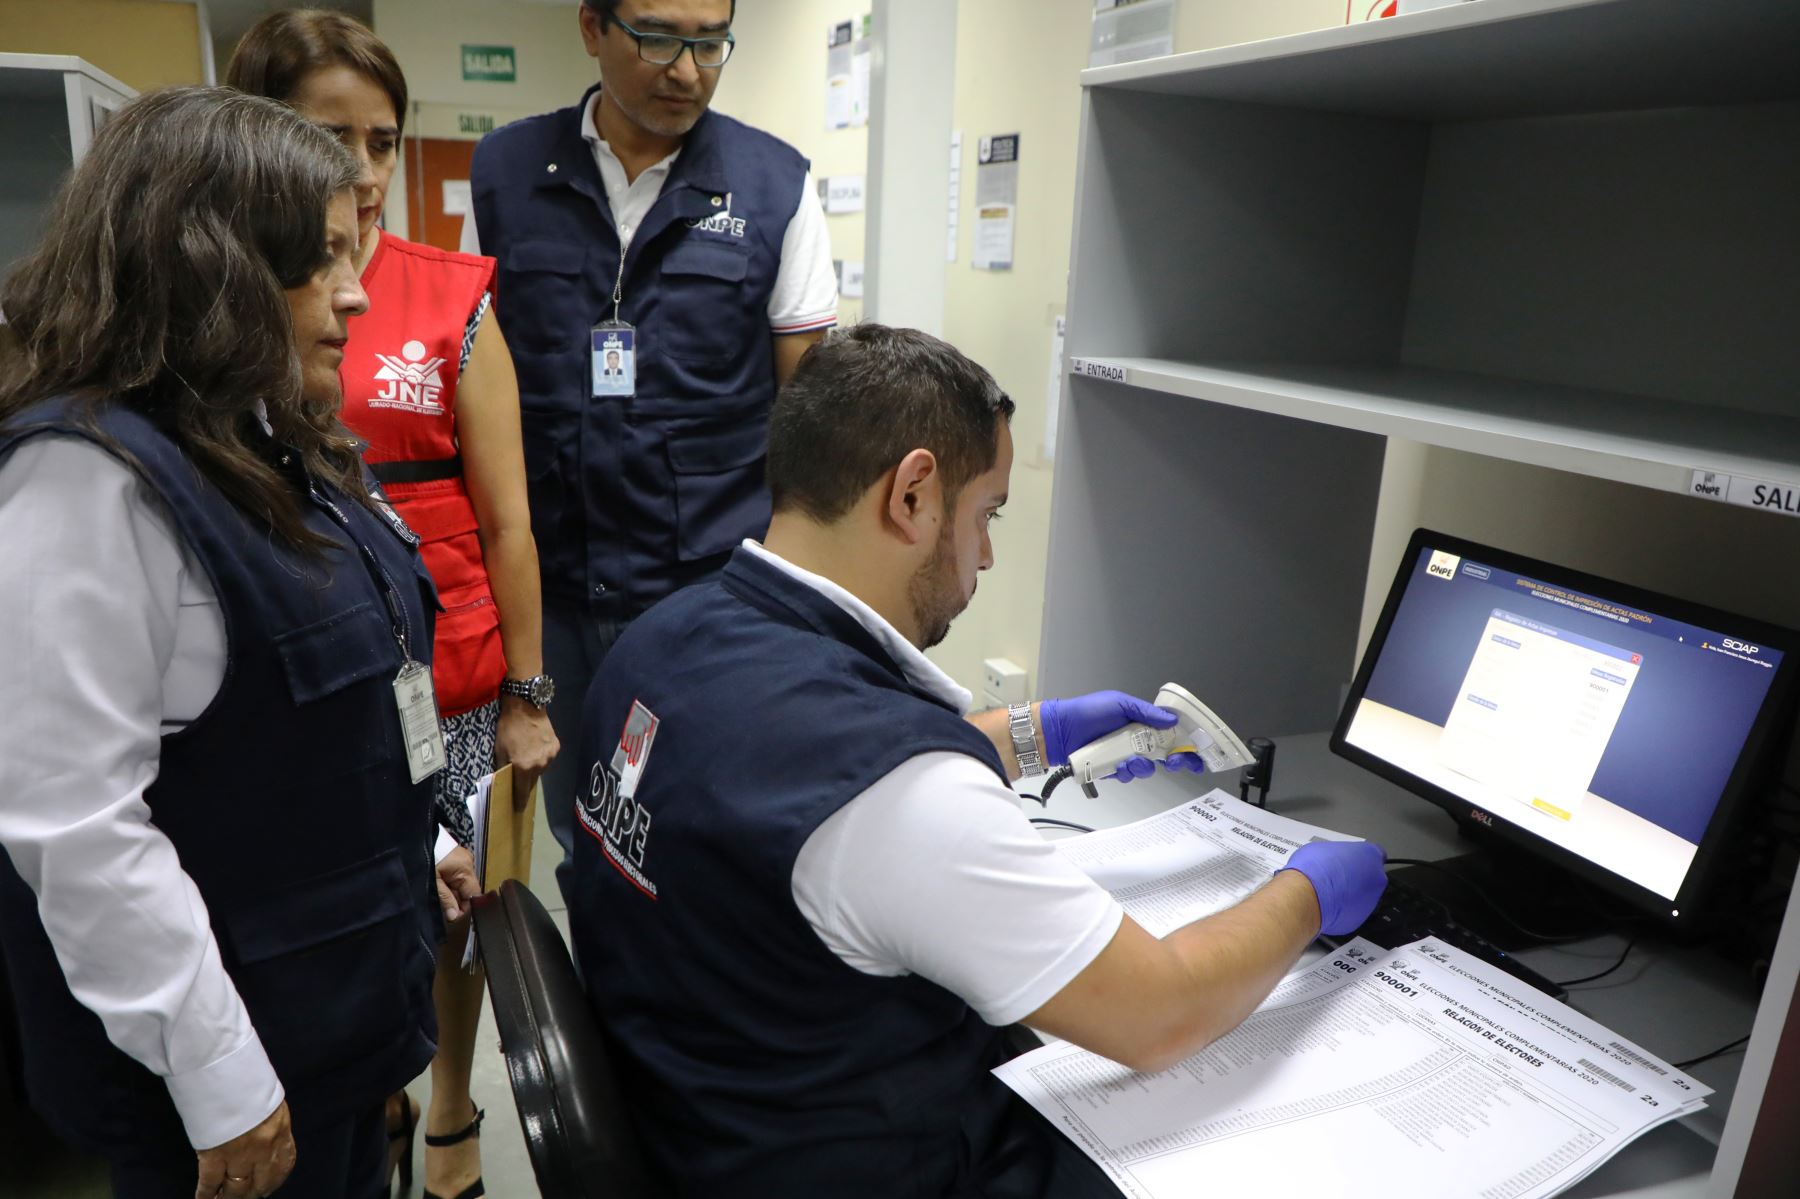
<point>1442,565</point>
<point>633,753</point>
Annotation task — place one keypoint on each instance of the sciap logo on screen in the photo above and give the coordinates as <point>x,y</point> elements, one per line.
<point>1442,565</point>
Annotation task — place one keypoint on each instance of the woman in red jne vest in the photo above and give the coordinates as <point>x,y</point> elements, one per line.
<point>429,385</point>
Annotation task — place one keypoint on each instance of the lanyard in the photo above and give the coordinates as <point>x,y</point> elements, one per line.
<point>402,626</point>
<point>618,296</point>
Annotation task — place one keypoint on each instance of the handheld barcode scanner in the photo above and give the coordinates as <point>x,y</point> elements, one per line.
<point>1197,731</point>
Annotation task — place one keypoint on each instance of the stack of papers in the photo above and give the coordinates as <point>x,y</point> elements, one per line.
<point>1171,869</point>
<point>1419,1070</point>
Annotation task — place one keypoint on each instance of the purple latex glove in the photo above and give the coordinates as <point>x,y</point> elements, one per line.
<point>1347,878</point>
<point>1070,724</point>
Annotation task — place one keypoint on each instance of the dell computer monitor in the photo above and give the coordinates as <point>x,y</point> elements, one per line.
<point>1606,729</point>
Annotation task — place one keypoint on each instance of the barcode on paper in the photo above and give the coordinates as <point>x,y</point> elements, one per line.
<point>1609,1076</point>
<point>1640,1059</point>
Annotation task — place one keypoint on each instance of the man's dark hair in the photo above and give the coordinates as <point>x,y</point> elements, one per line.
<point>864,398</point>
<point>607,10</point>
<point>159,285</point>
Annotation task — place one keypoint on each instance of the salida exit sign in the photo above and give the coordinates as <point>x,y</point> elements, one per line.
<point>491,64</point>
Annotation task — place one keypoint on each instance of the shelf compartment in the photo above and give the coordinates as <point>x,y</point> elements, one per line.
<point>1640,440</point>
<point>1500,58</point>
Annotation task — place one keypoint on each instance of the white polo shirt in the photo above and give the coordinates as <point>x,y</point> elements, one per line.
<point>805,298</point>
<point>934,870</point>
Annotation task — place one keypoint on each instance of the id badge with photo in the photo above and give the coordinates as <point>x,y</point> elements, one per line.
<point>614,359</point>
<point>417,701</point>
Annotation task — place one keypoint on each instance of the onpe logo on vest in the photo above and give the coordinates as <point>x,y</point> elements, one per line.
<point>413,381</point>
<point>722,222</point>
<point>609,811</point>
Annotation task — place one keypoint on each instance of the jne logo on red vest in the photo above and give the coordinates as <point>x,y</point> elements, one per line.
<point>411,382</point>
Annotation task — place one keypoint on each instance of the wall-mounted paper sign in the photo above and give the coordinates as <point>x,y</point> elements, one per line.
<point>996,201</point>
<point>993,237</point>
<point>839,65</point>
<point>862,59</point>
<point>850,278</point>
<point>1130,30</point>
<point>955,208</point>
<point>458,199</point>
<point>842,193</point>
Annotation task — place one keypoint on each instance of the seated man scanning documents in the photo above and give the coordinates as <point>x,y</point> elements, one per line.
<point>806,900</point>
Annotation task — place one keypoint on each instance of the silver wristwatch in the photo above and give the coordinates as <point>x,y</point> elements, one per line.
<point>539,689</point>
<point>1024,739</point>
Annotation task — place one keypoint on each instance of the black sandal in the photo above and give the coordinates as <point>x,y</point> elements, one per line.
<point>475,1190</point>
<point>400,1144</point>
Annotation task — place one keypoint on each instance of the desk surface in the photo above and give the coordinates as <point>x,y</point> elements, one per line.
<point>1677,1001</point>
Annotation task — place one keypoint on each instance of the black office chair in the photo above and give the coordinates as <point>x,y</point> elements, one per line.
<point>577,1128</point>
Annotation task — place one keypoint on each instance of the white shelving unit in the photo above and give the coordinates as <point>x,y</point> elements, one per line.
<point>1560,235</point>
<point>52,106</point>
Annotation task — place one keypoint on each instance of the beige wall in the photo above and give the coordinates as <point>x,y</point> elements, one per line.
<point>141,43</point>
<point>1017,71</point>
<point>776,81</point>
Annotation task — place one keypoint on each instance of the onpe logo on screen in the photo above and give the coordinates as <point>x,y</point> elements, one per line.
<point>1442,565</point>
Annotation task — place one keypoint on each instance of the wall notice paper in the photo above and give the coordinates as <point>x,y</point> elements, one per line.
<point>1449,1072</point>
<point>503,830</point>
<point>862,58</point>
<point>956,142</point>
<point>996,201</point>
<point>1131,30</point>
<point>1447,1077</point>
<point>842,193</point>
<point>993,237</point>
<point>850,277</point>
<point>838,74</point>
<point>458,199</point>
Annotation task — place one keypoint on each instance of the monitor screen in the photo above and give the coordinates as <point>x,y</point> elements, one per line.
<point>1606,728</point>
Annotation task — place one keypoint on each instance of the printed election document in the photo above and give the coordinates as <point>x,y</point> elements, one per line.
<point>1171,869</point>
<point>1593,1046</point>
<point>1420,1058</point>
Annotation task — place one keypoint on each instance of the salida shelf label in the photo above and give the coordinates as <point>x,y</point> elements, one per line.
<point>1747,493</point>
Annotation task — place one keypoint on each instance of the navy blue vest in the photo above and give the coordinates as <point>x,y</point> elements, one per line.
<point>763,1064</point>
<point>633,498</point>
<point>290,804</point>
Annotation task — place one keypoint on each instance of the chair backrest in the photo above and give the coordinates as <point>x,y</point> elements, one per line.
<point>577,1127</point>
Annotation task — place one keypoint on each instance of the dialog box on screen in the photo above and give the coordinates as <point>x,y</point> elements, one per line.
<point>1535,711</point>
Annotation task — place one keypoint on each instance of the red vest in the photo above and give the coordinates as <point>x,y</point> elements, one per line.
<point>400,373</point>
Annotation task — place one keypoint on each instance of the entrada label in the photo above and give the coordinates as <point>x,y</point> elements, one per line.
<point>1100,370</point>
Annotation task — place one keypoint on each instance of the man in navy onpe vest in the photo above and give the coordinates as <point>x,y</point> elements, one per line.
<point>640,224</point>
<point>805,899</point>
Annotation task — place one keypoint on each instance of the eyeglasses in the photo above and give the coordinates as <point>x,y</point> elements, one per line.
<point>663,49</point>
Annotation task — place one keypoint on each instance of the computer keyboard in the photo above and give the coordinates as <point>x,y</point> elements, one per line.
<point>1406,914</point>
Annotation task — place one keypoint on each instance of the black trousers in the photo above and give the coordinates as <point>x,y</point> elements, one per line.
<point>347,1159</point>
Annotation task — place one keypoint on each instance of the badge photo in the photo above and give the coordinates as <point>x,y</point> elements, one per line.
<point>614,360</point>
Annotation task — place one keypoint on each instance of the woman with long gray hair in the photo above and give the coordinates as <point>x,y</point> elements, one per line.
<point>215,895</point>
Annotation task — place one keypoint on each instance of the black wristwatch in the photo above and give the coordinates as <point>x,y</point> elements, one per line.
<point>540,689</point>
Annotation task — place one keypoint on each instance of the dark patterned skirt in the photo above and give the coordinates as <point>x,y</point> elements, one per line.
<point>469,747</point>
